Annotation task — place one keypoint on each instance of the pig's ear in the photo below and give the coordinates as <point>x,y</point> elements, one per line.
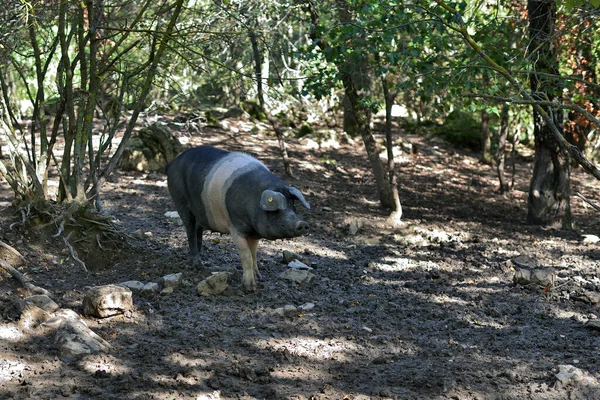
<point>296,193</point>
<point>272,201</point>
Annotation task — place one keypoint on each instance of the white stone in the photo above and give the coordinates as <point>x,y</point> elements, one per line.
<point>214,284</point>
<point>297,275</point>
<point>590,239</point>
<point>172,214</point>
<point>286,311</point>
<point>150,288</point>
<point>108,300</point>
<point>172,280</point>
<point>568,374</point>
<point>133,285</point>
<point>307,306</point>
<point>296,264</point>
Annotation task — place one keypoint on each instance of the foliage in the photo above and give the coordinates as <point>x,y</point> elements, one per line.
<point>57,66</point>
<point>82,63</point>
<point>305,129</point>
<point>461,129</point>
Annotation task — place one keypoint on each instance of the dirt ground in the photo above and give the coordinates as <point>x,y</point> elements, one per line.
<point>427,311</point>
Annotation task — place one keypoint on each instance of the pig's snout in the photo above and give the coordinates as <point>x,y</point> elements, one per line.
<point>301,228</point>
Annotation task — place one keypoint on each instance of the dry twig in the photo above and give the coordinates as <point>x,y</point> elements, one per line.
<point>594,206</point>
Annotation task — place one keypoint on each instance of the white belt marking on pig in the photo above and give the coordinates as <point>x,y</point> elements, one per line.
<point>218,181</point>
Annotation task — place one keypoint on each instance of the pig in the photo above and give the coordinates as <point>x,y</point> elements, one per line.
<point>231,192</point>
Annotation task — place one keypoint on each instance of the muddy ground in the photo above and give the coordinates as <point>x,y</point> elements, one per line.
<point>427,311</point>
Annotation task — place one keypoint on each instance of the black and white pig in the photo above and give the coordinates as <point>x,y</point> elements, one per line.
<point>233,193</point>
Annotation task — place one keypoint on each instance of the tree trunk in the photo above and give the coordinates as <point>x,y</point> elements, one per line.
<point>350,125</point>
<point>355,74</point>
<point>549,191</point>
<point>396,214</point>
<point>486,138</point>
<point>501,154</point>
<point>363,120</point>
<point>258,68</point>
<point>159,48</point>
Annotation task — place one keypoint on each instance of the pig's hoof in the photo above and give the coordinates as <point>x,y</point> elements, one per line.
<point>249,283</point>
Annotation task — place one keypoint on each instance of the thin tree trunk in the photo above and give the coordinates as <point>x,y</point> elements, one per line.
<point>549,191</point>
<point>146,86</point>
<point>501,153</point>
<point>261,99</point>
<point>396,214</point>
<point>363,119</point>
<point>356,77</point>
<point>486,138</point>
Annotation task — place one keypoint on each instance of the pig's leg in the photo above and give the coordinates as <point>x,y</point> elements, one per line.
<point>253,244</point>
<point>199,232</point>
<point>247,254</point>
<point>191,230</point>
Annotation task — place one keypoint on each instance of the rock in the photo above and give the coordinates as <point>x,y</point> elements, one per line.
<point>542,277</point>
<point>569,374</point>
<point>150,288</point>
<point>307,306</point>
<point>299,265</point>
<point>73,337</point>
<point>166,291</point>
<point>524,262</point>
<point>214,284</point>
<point>172,214</point>
<point>297,275</point>
<point>354,225</point>
<point>286,311</point>
<point>590,239</point>
<point>152,149</point>
<point>135,286</point>
<point>109,300</point>
<point>172,280</point>
<point>42,301</point>
<point>289,256</point>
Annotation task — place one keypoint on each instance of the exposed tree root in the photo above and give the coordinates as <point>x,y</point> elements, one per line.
<point>72,219</point>
<point>73,251</point>
<point>12,250</point>
<point>23,280</point>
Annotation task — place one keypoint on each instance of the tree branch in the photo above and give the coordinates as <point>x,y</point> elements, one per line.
<point>556,133</point>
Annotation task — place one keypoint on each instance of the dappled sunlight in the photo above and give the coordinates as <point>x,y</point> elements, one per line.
<point>158,183</point>
<point>106,364</point>
<point>339,350</point>
<point>11,369</point>
<point>10,333</point>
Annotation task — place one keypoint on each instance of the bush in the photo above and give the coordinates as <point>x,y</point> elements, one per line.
<point>461,129</point>
<point>253,108</point>
<point>304,130</point>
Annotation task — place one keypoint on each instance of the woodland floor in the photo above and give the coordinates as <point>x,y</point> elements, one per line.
<point>428,311</point>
